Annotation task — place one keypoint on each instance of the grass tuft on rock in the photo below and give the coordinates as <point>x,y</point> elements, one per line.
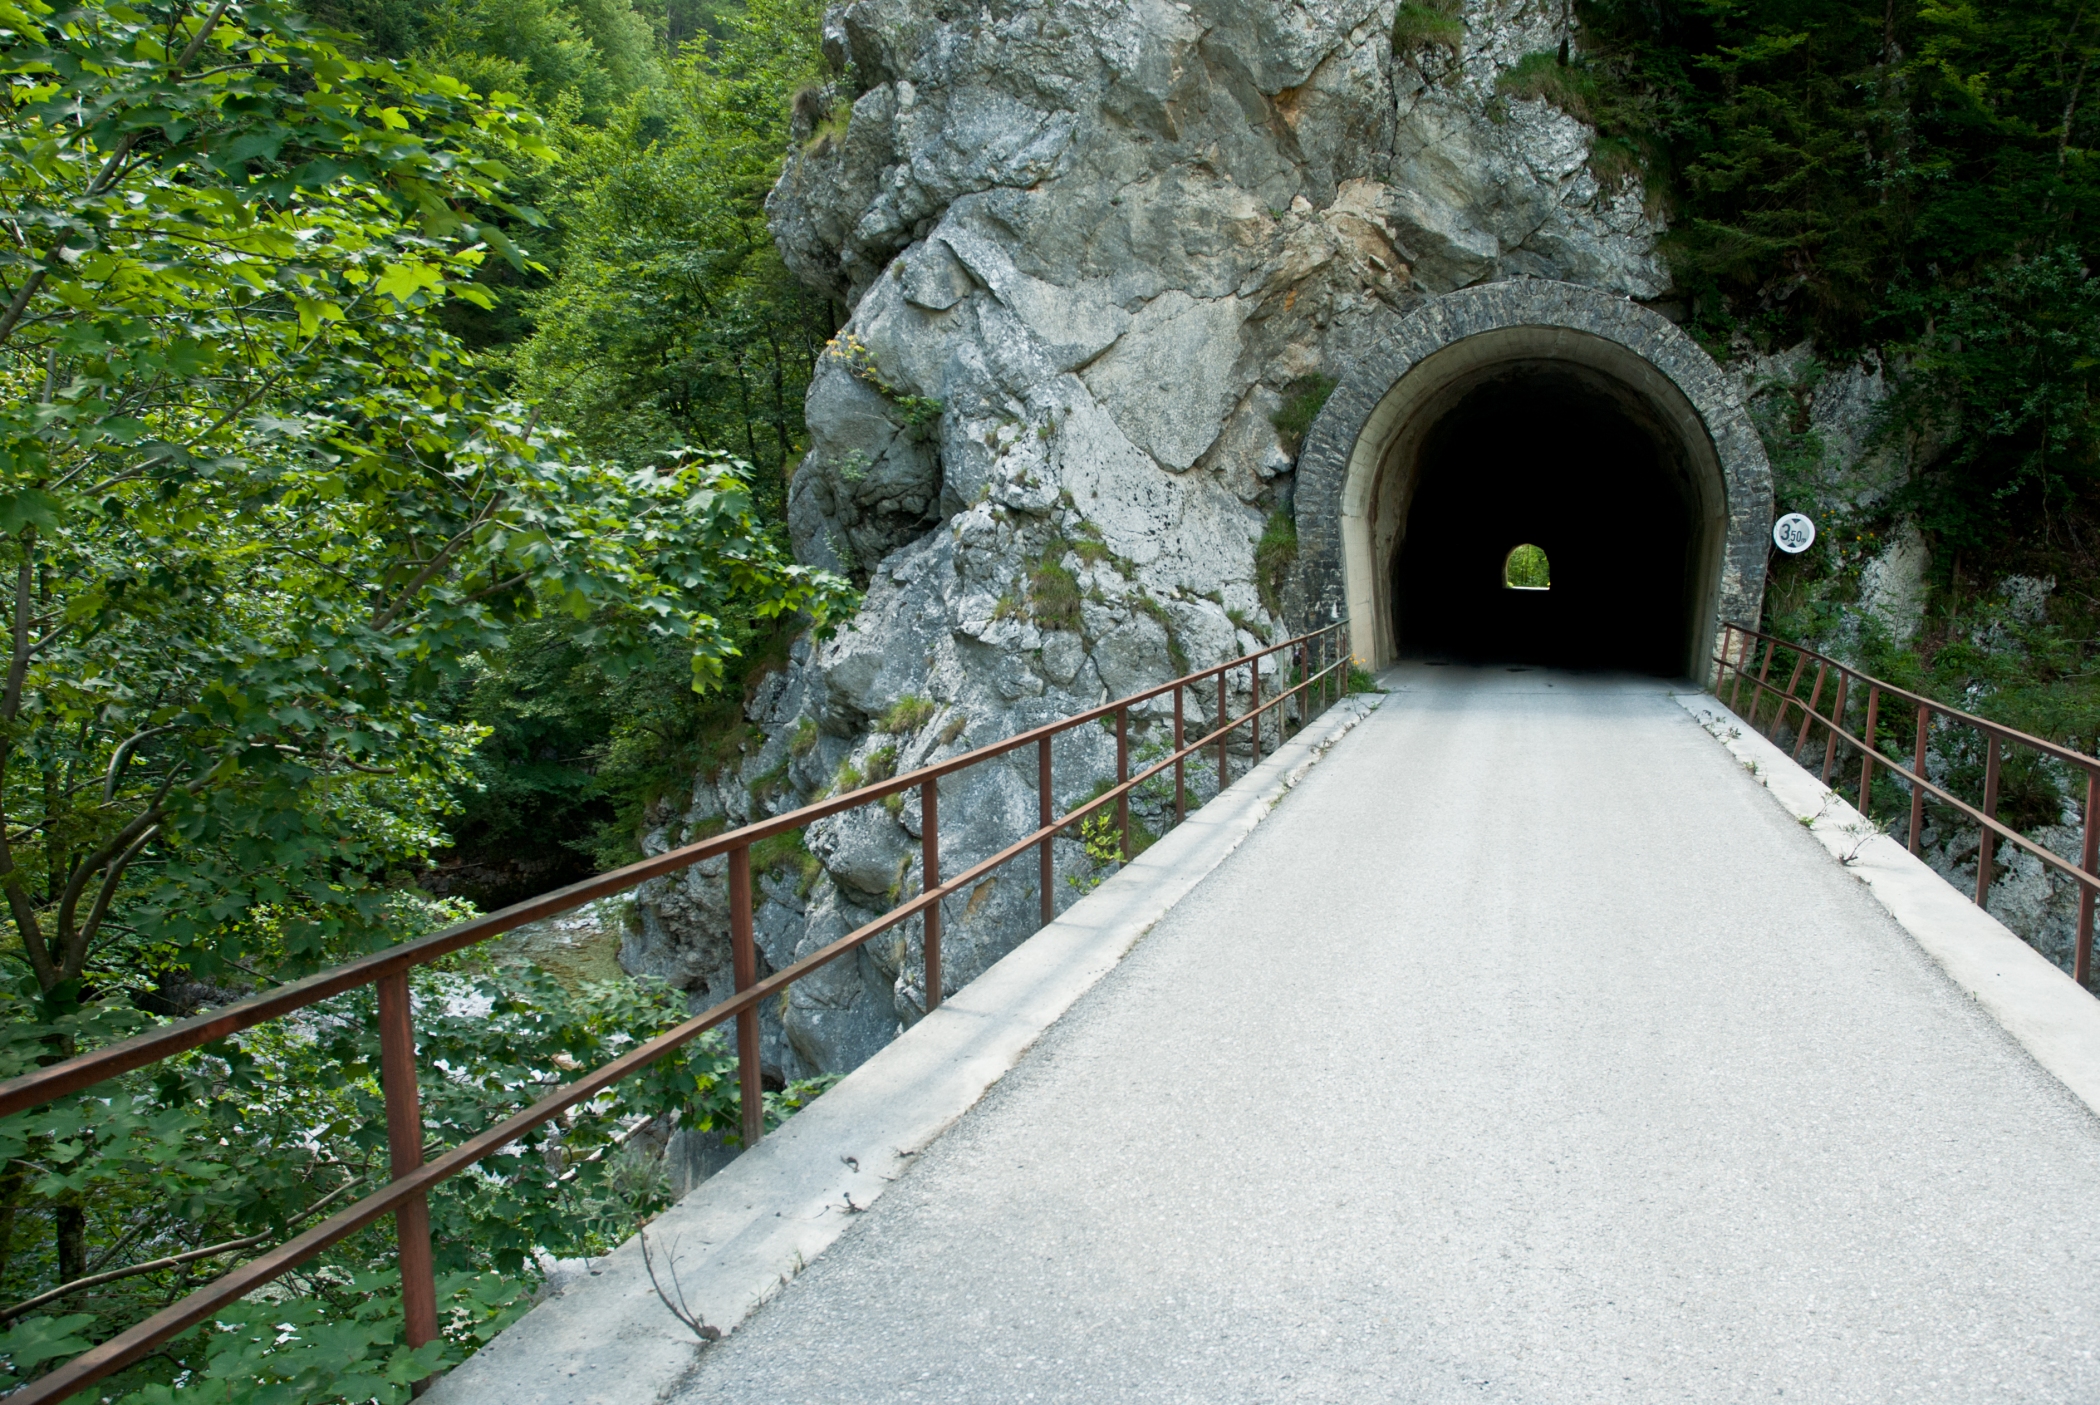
<point>908,714</point>
<point>1421,24</point>
<point>1542,75</point>
<point>1053,596</point>
<point>1274,555</point>
<point>1303,399</point>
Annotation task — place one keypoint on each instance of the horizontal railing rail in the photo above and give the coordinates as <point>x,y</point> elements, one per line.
<point>1320,659</point>
<point>1740,644</point>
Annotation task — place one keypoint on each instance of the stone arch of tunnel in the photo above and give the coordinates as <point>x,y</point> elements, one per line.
<point>1544,413</point>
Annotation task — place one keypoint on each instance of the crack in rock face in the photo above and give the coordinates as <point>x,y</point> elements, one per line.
<point>1114,240</point>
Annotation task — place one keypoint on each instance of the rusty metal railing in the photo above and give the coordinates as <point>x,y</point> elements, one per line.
<point>1738,648</point>
<point>1320,659</point>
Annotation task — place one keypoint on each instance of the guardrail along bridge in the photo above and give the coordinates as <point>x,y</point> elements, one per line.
<point>1506,1034</point>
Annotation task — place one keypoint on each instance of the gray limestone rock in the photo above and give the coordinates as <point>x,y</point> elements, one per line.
<point>1169,382</point>
<point>1109,238</point>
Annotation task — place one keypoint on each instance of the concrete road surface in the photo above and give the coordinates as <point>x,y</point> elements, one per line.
<point>1529,1052</point>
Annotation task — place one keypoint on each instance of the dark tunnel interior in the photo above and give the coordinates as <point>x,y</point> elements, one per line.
<point>1560,457</point>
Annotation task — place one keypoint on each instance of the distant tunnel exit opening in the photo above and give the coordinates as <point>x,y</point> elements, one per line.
<point>1552,521</point>
<point>1527,568</point>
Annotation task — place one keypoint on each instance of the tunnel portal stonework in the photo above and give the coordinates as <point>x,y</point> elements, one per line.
<point>1396,390</point>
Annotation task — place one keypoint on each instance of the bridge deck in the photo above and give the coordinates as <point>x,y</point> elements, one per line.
<point>1528,1052</point>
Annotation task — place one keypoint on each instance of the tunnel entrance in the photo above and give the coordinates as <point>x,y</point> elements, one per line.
<point>1561,459</point>
<point>1541,414</point>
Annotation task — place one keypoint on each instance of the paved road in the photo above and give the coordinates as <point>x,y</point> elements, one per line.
<point>1529,1052</point>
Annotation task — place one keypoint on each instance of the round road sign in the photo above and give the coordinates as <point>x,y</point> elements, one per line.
<point>1793,533</point>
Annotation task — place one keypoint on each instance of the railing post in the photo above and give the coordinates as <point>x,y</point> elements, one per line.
<point>1837,717</point>
<point>404,1137</point>
<point>1304,688</point>
<point>1917,788</point>
<point>930,878</point>
<point>2082,961</point>
<point>1808,714</point>
<point>1757,693</point>
<point>1223,733</point>
<point>1721,662</point>
<point>1866,761</point>
<point>1793,680</point>
<point>1045,812</point>
<point>1181,794</point>
<point>1254,706</point>
<point>1745,647</point>
<point>1987,842</point>
<point>1122,775</point>
<point>743,957</point>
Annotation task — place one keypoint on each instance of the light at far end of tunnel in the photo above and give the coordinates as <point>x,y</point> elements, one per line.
<point>1526,568</point>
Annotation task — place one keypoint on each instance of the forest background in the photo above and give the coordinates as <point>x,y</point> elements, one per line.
<point>574,333</point>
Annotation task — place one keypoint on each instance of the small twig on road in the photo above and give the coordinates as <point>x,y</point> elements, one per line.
<point>679,1309</point>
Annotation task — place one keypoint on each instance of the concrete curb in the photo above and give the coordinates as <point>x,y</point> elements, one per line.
<point>2037,1004</point>
<point>745,1233</point>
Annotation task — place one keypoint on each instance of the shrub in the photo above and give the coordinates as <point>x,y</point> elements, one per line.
<point>1103,843</point>
<point>1528,569</point>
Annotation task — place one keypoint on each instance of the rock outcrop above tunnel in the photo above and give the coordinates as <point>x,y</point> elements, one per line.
<point>1102,259</point>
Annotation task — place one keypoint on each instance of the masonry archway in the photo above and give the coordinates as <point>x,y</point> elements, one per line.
<point>1543,413</point>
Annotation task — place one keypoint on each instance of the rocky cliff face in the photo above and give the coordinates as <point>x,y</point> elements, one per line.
<point>1100,257</point>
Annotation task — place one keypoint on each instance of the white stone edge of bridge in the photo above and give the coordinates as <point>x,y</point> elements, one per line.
<point>2035,1002</point>
<point>746,1232</point>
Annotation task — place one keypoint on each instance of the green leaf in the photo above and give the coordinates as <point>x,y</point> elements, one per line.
<point>28,507</point>
<point>33,1341</point>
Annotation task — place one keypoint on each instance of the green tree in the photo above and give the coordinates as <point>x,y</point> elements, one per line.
<point>582,56</point>
<point>258,511</point>
<point>670,320</point>
<point>674,321</point>
<point>1822,157</point>
<point>1914,179</point>
<point>258,505</point>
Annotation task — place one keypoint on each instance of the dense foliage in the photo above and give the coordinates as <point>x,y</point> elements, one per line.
<point>1906,178</point>
<point>1914,183</point>
<point>268,525</point>
<point>230,1150</point>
